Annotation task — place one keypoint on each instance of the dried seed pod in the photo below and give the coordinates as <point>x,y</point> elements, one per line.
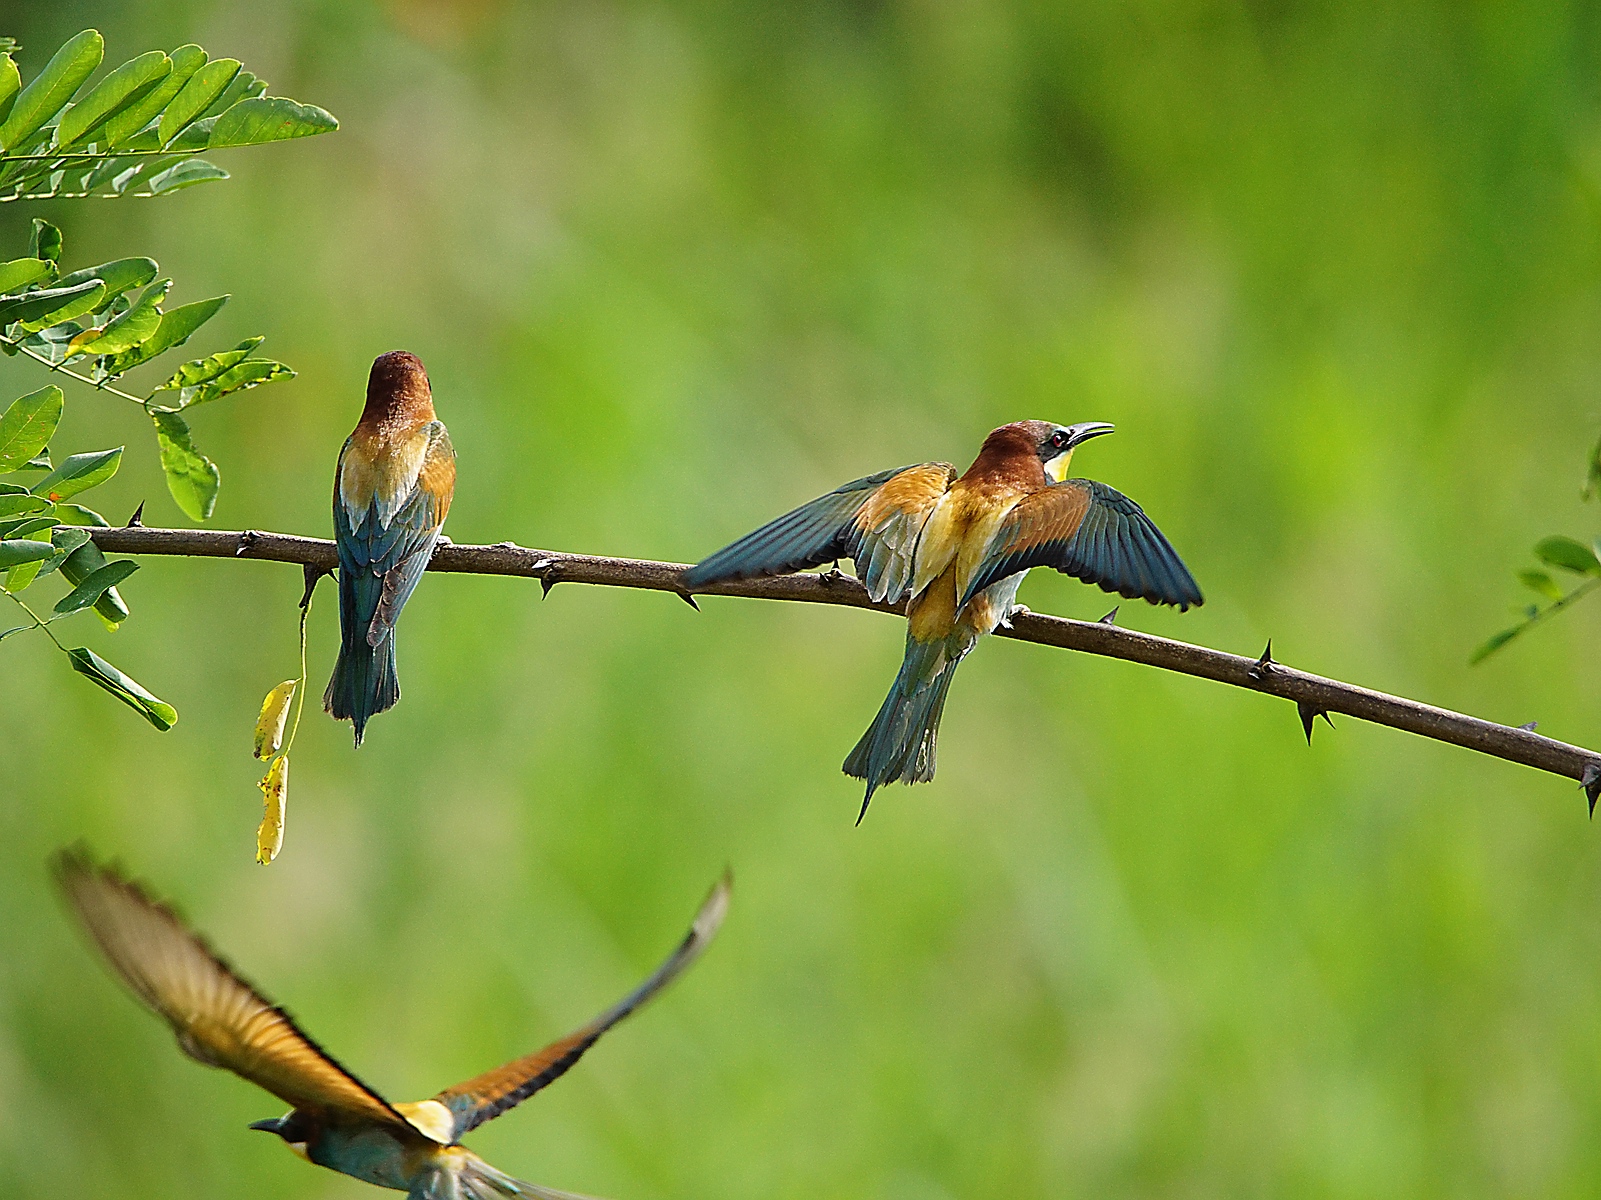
<point>274,714</point>
<point>275,793</point>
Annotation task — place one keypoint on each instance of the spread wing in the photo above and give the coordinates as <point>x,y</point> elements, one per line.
<point>875,520</point>
<point>492,1093</point>
<point>1094,533</point>
<point>383,560</point>
<point>220,1020</point>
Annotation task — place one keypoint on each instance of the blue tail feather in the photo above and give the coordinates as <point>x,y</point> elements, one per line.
<point>900,743</point>
<point>364,681</point>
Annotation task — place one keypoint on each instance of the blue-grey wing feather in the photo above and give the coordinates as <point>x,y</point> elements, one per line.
<point>820,531</point>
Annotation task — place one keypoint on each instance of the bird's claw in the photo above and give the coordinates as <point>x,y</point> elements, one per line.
<point>1017,610</point>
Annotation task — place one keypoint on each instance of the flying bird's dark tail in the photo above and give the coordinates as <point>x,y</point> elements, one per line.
<point>474,1179</point>
<point>900,742</point>
<point>364,680</point>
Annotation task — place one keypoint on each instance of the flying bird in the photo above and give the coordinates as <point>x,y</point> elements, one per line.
<point>957,547</point>
<point>392,489</point>
<point>335,1120</point>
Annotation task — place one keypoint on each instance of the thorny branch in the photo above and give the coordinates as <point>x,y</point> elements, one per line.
<point>1313,695</point>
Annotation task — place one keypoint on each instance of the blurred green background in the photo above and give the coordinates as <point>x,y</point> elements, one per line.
<point>1333,271</point>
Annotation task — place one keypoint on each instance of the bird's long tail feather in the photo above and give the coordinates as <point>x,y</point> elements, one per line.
<point>900,743</point>
<point>477,1180</point>
<point>364,681</point>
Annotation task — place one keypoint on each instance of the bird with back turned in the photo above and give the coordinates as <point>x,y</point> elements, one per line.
<point>335,1120</point>
<point>956,548</point>
<point>392,489</point>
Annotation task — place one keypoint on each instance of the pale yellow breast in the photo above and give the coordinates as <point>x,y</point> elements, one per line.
<point>959,531</point>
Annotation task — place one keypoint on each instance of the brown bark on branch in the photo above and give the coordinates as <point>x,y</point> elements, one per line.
<point>1312,694</point>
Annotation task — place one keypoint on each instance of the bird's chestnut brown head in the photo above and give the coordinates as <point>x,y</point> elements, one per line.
<point>398,391</point>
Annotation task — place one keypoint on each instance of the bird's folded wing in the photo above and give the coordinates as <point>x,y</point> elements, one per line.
<point>875,520</point>
<point>398,553</point>
<point>492,1093</point>
<point>218,1018</point>
<point>1094,533</point>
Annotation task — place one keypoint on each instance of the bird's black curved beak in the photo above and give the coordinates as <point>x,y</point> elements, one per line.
<point>1078,434</point>
<point>270,1125</point>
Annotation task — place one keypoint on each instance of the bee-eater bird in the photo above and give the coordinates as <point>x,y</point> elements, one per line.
<point>957,547</point>
<point>392,489</point>
<point>335,1120</point>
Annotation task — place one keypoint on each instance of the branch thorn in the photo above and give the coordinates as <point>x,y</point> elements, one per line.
<point>246,540</point>
<point>1310,713</point>
<point>1530,727</point>
<point>314,575</point>
<point>1263,667</point>
<point>138,519</point>
<point>1592,784</point>
<point>1111,617</point>
<point>688,599</point>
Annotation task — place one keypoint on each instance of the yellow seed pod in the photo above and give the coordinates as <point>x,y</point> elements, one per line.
<point>275,793</point>
<point>274,713</point>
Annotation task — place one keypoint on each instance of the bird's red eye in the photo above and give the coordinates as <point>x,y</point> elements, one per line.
<point>1058,439</point>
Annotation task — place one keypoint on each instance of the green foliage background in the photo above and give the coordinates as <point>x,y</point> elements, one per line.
<point>1335,272</point>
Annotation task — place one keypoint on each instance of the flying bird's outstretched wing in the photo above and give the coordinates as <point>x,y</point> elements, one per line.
<point>219,1019</point>
<point>875,520</point>
<point>492,1093</point>
<point>1094,533</point>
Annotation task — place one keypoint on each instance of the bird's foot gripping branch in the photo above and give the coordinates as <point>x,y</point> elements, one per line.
<point>1310,693</point>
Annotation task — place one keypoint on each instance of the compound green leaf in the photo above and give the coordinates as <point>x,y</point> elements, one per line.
<point>35,310</point>
<point>27,425</point>
<point>22,506</point>
<point>269,119</point>
<point>45,95</point>
<point>198,370</point>
<point>177,324</point>
<point>1568,554</point>
<point>186,60</point>
<point>125,332</point>
<point>185,174</point>
<point>120,88</point>
<point>79,473</point>
<point>45,242</point>
<point>101,673</point>
<point>23,550</point>
<point>22,271</point>
<point>192,478</point>
<point>119,276</point>
<point>205,86</point>
<point>92,588</point>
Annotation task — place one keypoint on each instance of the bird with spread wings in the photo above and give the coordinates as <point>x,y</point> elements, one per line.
<point>954,548</point>
<point>335,1120</point>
